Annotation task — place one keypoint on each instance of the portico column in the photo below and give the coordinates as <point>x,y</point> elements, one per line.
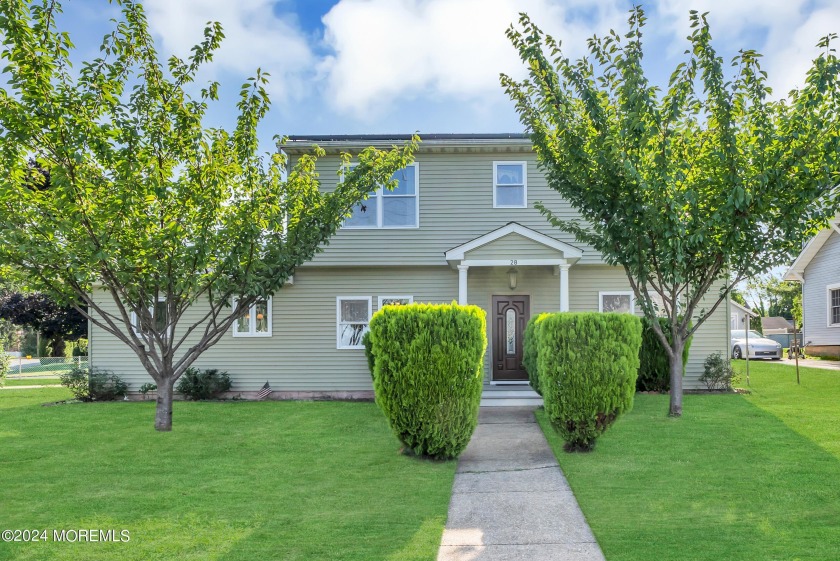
<point>462,284</point>
<point>564,288</point>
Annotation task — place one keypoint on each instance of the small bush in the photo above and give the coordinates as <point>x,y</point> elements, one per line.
<point>718,373</point>
<point>368,352</point>
<point>654,367</point>
<point>146,388</point>
<point>429,373</point>
<point>198,384</point>
<point>529,352</point>
<point>93,385</point>
<point>587,365</point>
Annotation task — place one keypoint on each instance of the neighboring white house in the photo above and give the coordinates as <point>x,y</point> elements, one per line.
<point>738,315</point>
<point>461,225</point>
<point>818,269</point>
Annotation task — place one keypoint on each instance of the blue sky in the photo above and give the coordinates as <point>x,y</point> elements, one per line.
<point>400,66</point>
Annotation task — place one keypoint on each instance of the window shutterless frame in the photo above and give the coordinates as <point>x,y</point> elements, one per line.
<point>509,183</point>
<point>381,196</point>
<point>833,304</point>
<point>253,319</point>
<point>152,310</point>
<point>342,323</point>
<point>628,293</point>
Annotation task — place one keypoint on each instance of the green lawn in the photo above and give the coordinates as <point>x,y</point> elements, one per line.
<point>32,382</point>
<point>233,481</point>
<point>737,477</point>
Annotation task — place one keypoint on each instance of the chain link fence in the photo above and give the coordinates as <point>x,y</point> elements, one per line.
<point>41,367</point>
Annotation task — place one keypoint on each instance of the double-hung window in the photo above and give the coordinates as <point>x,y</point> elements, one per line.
<point>396,208</point>
<point>510,185</point>
<point>353,317</point>
<point>619,301</point>
<point>833,305</point>
<point>256,322</point>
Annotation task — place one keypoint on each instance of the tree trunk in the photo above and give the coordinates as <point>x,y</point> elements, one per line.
<point>676,363</point>
<point>163,412</point>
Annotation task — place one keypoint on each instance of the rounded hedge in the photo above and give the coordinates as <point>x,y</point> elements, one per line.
<point>654,366</point>
<point>587,365</point>
<point>428,374</point>
<point>529,352</point>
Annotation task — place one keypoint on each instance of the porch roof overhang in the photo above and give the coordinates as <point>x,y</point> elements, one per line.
<point>563,253</point>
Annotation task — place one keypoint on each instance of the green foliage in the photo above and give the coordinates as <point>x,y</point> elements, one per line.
<point>588,364</point>
<point>5,361</point>
<point>94,384</point>
<point>718,373</point>
<point>369,353</point>
<point>196,384</point>
<point>529,352</point>
<point>80,348</point>
<point>704,185</point>
<point>134,193</point>
<point>654,366</point>
<point>429,374</point>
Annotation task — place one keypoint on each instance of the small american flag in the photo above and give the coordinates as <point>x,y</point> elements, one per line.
<point>264,392</point>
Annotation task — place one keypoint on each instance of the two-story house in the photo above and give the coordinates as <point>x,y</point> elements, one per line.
<point>460,226</point>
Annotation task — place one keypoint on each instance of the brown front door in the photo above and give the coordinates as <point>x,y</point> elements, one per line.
<point>510,314</point>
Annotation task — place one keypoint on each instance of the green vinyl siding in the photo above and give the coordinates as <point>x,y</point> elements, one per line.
<point>456,206</point>
<point>301,354</point>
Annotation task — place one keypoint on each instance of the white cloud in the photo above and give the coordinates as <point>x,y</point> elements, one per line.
<point>254,37</point>
<point>391,49</point>
<point>791,30</point>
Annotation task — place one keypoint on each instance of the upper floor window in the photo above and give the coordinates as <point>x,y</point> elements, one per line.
<point>397,208</point>
<point>256,322</point>
<point>834,305</point>
<point>510,188</point>
<point>621,302</point>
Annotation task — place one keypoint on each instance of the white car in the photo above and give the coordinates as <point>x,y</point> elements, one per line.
<point>759,347</point>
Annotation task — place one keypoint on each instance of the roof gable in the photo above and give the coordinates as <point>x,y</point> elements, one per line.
<point>797,270</point>
<point>515,233</point>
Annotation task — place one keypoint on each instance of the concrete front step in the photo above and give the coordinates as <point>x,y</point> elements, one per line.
<point>520,397</point>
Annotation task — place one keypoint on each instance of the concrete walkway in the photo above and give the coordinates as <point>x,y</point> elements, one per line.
<point>811,363</point>
<point>510,500</point>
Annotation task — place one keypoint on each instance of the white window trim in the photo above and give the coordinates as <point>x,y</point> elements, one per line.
<point>338,300</point>
<point>524,165</point>
<point>379,206</point>
<point>629,293</point>
<point>136,327</point>
<point>252,321</point>
<point>828,289</point>
<point>381,298</point>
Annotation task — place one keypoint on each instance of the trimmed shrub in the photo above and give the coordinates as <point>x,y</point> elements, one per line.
<point>196,384</point>
<point>429,374</point>
<point>718,373</point>
<point>93,385</point>
<point>368,352</point>
<point>654,367</point>
<point>587,365</point>
<point>529,352</point>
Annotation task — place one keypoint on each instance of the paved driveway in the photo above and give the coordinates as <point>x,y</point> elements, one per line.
<point>811,363</point>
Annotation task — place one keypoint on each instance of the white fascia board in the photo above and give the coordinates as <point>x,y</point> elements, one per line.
<point>569,251</point>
